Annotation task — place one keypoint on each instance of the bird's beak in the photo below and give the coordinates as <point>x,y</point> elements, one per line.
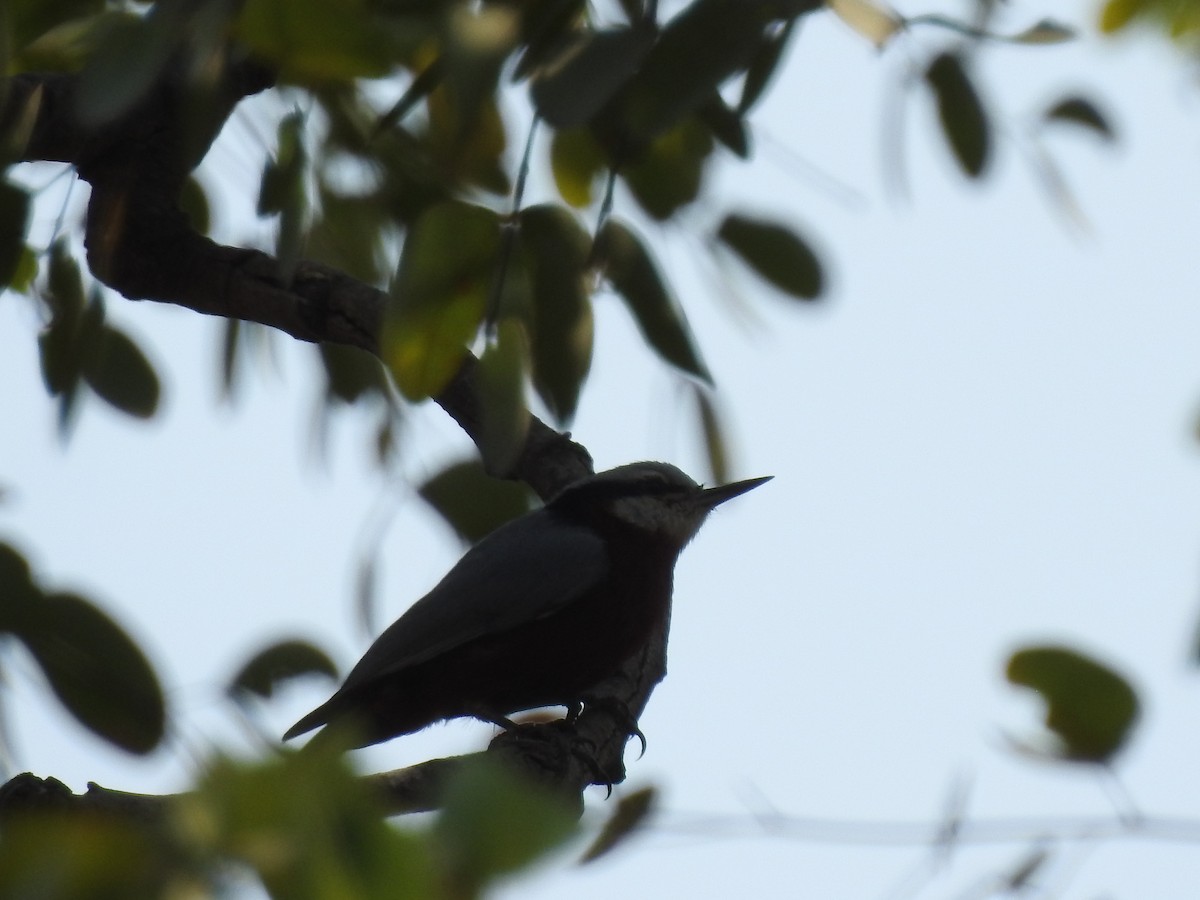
<point>715,496</point>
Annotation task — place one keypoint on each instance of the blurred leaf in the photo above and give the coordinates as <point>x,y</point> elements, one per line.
<point>348,234</point>
<point>97,671</point>
<point>874,21</point>
<point>776,253</point>
<point>14,224</point>
<point>494,823</point>
<point>546,25</point>
<point>27,20</point>
<point>26,272</point>
<point>319,41</point>
<point>230,333</point>
<point>763,65</point>
<point>668,175</point>
<point>961,113</point>
<point>283,190</point>
<point>59,344</point>
<point>128,59</point>
<point>1089,707</point>
<point>631,812</point>
<point>438,298</point>
<point>701,47</point>
<point>577,162</point>
<point>631,270</point>
<point>1081,112</point>
<point>572,87</point>
<point>725,124</point>
<point>468,152</point>
<point>555,250</point>
<point>306,824</point>
<point>117,370</point>
<point>714,437</point>
<point>194,203</point>
<point>474,503</point>
<point>351,372</point>
<point>280,662</point>
<point>17,589</point>
<point>1046,31</point>
<point>505,417</point>
<point>65,283</point>
<point>1119,13</point>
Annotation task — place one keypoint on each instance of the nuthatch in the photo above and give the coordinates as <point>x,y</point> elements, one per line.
<point>537,613</point>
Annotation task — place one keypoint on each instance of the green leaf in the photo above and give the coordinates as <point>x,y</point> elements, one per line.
<point>555,250</point>
<point>669,173</point>
<point>17,589</point>
<point>116,369</point>
<point>585,75</point>
<point>127,61</point>
<point>763,65</point>
<point>439,296</point>
<point>577,162</point>
<point>320,41</point>
<point>725,124</point>
<point>194,203</point>
<point>776,253</point>
<point>631,812</point>
<point>1089,707</point>
<point>505,417</point>
<point>494,823</point>
<point>278,663</point>
<point>351,372</point>
<point>1081,112</point>
<point>14,224</point>
<point>472,502</point>
<point>283,191</point>
<point>97,671</point>
<point>632,272</point>
<point>964,122</point>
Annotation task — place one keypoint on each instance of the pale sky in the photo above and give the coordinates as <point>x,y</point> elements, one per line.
<point>983,437</point>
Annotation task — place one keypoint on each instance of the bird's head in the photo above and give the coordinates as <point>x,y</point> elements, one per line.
<point>653,497</point>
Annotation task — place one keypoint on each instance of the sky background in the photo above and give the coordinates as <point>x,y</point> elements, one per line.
<point>983,437</point>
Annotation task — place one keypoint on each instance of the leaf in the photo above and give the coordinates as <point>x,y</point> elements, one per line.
<point>14,224</point>
<point>630,269</point>
<point>776,253</point>
<point>280,662</point>
<point>97,671</point>
<point>964,122</point>
<point>472,502</point>
<point>116,369</point>
<point>505,417</point>
<point>572,87</point>
<point>446,274</point>
<point>494,823</point>
<point>669,173</point>
<point>1089,707</point>
<point>1081,112</point>
<point>127,61</point>
<point>763,65</point>
<point>725,124</point>
<point>1119,13</point>
<point>1045,31</point>
<point>876,22</point>
<point>351,373</point>
<point>577,162</point>
<point>631,812</point>
<point>283,191</point>
<point>555,250</point>
<point>715,443</point>
<point>194,203</point>
<point>17,589</point>
<point>319,41</point>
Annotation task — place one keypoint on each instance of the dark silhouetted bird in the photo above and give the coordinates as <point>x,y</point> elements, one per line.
<point>537,613</point>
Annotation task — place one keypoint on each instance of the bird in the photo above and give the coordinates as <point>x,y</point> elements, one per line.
<point>536,614</point>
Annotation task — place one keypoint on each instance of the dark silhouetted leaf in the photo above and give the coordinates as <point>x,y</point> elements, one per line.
<point>97,671</point>
<point>351,372</point>
<point>1090,708</point>
<point>725,124</point>
<point>1046,31</point>
<point>502,371</point>
<point>1081,112</point>
<point>715,443</point>
<point>348,233</point>
<point>577,162</point>
<point>630,813</point>
<point>668,175</point>
<point>446,274</point>
<point>278,663</point>
<point>494,822</point>
<point>117,370</point>
<point>633,274</point>
<point>194,203</point>
<point>472,502</point>
<point>776,253</point>
<point>17,590</point>
<point>14,223</point>
<point>961,113</point>
<point>763,65</point>
<point>283,191</point>
<point>555,250</point>
<point>573,86</point>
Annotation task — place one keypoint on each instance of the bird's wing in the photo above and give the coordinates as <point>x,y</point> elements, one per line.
<point>523,571</point>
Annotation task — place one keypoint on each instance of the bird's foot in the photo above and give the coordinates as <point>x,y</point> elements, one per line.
<point>620,711</point>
